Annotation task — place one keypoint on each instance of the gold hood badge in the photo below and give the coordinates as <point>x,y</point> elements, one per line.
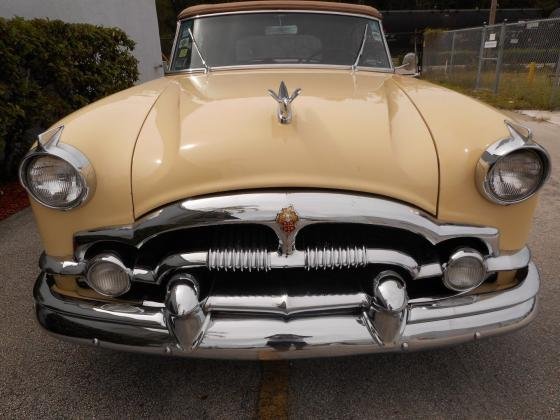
<point>287,219</point>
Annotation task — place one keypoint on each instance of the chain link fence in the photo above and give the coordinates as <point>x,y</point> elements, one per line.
<point>520,60</point>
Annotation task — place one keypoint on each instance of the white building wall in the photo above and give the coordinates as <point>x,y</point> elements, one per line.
<point>137,18</point>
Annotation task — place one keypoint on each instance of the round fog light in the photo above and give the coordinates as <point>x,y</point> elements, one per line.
<point>108,276</point>
<point>465,270</point>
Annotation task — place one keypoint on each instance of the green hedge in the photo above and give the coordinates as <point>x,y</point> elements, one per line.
<point>49,68</point>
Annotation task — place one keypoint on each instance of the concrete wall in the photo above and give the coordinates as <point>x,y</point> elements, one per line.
<point>136,17</point>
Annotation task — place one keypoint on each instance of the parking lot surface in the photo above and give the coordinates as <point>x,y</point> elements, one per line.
<point>512,376</point>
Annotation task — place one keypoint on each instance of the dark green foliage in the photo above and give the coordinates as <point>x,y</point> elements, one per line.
<point>51,68</point>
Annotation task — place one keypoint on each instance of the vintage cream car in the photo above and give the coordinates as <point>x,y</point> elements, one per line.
<point>284,192</point>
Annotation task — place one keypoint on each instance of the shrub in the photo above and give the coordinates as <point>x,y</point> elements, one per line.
<point>49,69</point>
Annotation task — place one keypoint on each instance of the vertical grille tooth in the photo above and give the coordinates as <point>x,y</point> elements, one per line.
<point>246,261</point>
<point>336,257</point>
<point>210,258</point>
<point>252,260</point>
<point>323,258</point>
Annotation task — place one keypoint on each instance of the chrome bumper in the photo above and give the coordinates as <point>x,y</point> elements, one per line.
<point>181,327</point>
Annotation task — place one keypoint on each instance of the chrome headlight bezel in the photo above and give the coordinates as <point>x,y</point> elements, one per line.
<point>520,139</point>
<point>49,145</point>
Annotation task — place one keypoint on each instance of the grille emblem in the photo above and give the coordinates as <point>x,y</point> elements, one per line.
<point>287,219</point>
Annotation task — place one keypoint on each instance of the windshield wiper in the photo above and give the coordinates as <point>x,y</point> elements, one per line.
<point>355,65</point>
<point>195,44</point>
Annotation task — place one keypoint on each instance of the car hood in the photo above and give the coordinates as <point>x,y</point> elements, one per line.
<point>219,132</point>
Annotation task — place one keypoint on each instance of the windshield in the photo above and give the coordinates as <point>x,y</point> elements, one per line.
<point>280,38</point>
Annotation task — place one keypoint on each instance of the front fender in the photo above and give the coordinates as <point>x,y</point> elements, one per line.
<point>462,129</point>
<point>106,132</point>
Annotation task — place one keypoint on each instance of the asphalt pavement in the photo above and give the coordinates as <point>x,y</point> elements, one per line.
<point>512,376</point>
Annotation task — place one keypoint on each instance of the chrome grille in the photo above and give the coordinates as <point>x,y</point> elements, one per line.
<point>239,259</point>
<point>331,257</point>
<point>242,232</point>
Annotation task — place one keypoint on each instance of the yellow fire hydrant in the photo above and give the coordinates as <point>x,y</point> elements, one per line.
<point>532,72</point>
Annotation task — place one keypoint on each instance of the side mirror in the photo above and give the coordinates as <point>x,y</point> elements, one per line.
<point>409,65</point>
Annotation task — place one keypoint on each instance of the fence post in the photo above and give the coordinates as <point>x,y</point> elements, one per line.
<point>500,57</point>
<point>452,59</point>
<point>555,82</point>
<point>480,57</point>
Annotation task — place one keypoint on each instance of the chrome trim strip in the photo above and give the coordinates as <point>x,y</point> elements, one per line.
<point>144,329</point>
<point>470,305</point>
<point>513,261</point>
<point>360,52</point>
<point>285,305</point>
<point>52,265</point>
<point>297,259</point>
<point>429,270</point>
<point>280,67</point>
<point>173,48</point>
<point>520,138</point>
<point>120,313</point>
<point>262,208</point>
<point>195,44</point>
<point>390,69</point>
<point>246,12</point>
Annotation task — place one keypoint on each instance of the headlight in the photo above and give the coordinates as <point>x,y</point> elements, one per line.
<point>516,176</point>
<point>53,182</point>
<point>57,175</point>
<point>512,169</point>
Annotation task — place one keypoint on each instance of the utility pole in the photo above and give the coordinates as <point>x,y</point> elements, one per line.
<point>493,7</point>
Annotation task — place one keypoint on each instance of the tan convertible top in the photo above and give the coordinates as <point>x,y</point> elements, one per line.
<point>242,6</point>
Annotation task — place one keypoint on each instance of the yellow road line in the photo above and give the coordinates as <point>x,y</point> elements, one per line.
<point>273,392</point>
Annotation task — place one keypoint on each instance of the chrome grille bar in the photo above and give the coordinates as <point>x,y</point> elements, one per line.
<point>262,208</point>
<point>262,260</point>
<point>273,260</point>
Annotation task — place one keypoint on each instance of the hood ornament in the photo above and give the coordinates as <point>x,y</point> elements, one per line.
<point>284,100</point>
